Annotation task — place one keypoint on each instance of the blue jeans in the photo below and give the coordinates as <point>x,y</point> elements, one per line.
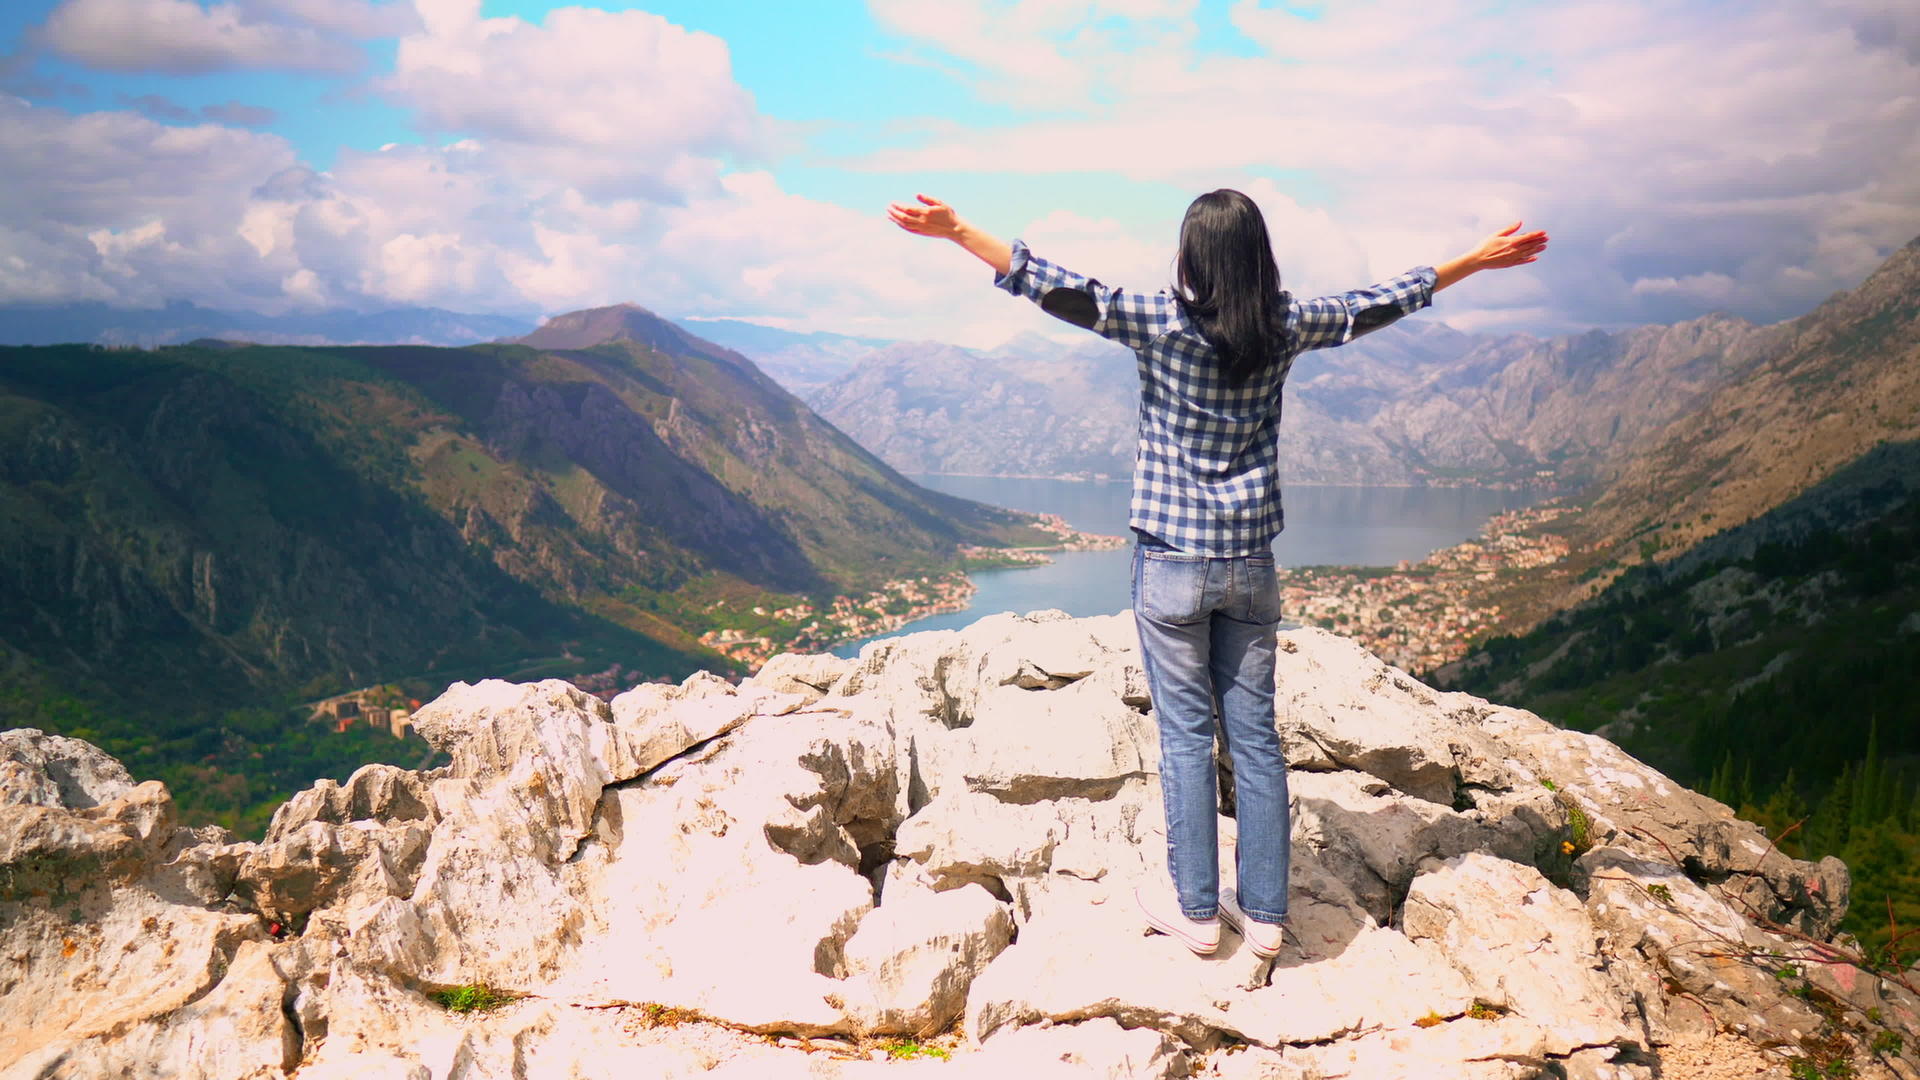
<point>1207,639</point>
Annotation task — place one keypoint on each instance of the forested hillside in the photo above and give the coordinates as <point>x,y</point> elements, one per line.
<point>194,538</point>
<point>1773,667</point>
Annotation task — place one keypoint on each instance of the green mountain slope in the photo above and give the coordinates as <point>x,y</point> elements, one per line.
<point>1771,666</point>
<point>196,533</point>
<point>1742,608</point>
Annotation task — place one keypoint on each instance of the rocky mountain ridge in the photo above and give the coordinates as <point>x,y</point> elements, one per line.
<point>1417,402</point>
<point>575,475</point>
<point>197,531</point>
<point>1822,391</point>
<point>945,830</point>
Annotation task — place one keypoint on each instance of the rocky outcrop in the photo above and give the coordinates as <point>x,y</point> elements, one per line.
<point>942,834</point>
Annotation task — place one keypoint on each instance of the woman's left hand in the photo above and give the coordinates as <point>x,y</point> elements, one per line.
<point>935,219</point>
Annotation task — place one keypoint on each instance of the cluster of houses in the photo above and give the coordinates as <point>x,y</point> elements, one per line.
<point>357,707</point>
<point>1424,614</point>
<point>846,618</point>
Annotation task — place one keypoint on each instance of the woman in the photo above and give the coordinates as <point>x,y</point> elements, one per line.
<point>1212,354</point>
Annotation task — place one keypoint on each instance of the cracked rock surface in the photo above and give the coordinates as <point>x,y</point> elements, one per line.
<point>942,835</point>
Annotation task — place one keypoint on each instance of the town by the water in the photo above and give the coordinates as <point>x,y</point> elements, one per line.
<point>802,628</point>
<point>1420,615</point>
<point>1416,615</point>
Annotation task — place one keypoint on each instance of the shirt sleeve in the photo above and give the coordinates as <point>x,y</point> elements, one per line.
<point>1133,319</point>
<point>1326,321</point>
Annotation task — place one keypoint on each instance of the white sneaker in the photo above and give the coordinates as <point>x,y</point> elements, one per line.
<point>1163,913</point>
<point>1265,938</point>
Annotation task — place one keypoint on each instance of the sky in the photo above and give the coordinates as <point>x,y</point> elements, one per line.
<point>725,158</point>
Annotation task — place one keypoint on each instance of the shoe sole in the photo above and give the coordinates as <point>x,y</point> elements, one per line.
<point>1198,948</point>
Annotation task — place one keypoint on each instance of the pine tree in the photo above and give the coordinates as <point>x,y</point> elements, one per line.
<point>1720,784</point>
<point>1885,867</point>
<point>1832,818</point>
<point>1743,795</point>
<point>1783,808</point>
<point>1869,783</point>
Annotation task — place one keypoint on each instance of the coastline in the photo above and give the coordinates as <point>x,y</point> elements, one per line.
<point>1549,484</point>
<point>1418,613</point>
<point>901,601</point>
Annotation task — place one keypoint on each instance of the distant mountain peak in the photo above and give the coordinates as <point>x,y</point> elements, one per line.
<point>588,327</point>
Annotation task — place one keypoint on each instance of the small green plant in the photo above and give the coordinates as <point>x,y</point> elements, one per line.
<point>653,1014</point>
<point>470,998</point>
<point>909,1049</point>
<point>1887,1042</point>
<point>1432,1019</point>
<point>1581,826</point>
<point>1660,893</point>
<point>1485,1010</point>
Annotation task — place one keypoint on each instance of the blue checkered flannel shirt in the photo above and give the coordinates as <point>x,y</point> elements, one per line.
<point>1206,473</point>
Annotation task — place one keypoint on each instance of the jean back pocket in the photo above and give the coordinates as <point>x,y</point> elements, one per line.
<point>1173,587</point>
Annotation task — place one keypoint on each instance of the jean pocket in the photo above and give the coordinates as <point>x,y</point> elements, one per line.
<point>1263,590</point>
<point>1173,587</point>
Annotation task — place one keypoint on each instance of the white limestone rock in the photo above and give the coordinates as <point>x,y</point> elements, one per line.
<point>812,676</point>
<point>1095,1050</point>
<point>848,847</point>
<point>320,865</point>
<point>38,769</point>
<point>236,1029</point>
<point>553,743</point>
<point>912,959</point>
<point>1524,945</point>
<point>381,793</point>
<point>744,858</point>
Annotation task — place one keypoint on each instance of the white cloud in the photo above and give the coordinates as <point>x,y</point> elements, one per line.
<point>609,156</point>
<point>183,37</point>
<point>607,101</point>
<point>1045,53</point>
<point>1775,144</point>
<point>113,206</point>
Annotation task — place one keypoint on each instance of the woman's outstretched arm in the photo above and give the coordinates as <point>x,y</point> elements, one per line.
<point>1131,318</point>
<point>1327,321</point>
<point>1508,247</point>
<point>937,219</point>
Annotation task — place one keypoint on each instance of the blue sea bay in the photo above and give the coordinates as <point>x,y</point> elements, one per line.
<point>1349,526</point>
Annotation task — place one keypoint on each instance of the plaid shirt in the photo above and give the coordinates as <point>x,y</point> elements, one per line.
<point>1206,474</point>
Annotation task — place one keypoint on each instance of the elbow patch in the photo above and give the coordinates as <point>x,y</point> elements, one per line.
<point>1374,318</point>
<point>1076,306</point>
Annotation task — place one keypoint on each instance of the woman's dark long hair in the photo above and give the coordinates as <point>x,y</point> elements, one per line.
<point>1228,284</point>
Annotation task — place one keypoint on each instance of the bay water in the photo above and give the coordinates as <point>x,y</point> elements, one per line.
<point>1326,526</point>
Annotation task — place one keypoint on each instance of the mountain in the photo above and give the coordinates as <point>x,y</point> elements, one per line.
<point>282,511</point>
<point>1418,402</point>
<point>1742,608</point>
<point>202,528</point>
<point>1811,608</point>
<point>1820,391</point>
<point>801,362</point>
<point>930,408</point>
<point>179,322</point>
<point>1751,561</point>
